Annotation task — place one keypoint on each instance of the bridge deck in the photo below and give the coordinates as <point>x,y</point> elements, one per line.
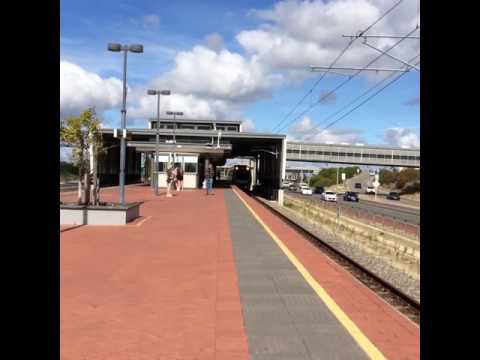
<point>200,277</point>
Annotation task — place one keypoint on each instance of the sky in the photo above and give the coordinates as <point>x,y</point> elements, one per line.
<point>246,60</point>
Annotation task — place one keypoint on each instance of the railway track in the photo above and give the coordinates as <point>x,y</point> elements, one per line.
<point>404,303</point>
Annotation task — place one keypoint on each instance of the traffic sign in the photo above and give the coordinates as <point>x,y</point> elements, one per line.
<point>344,176</point>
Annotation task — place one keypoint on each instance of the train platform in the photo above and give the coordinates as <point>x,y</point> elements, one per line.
<point>215,277</point>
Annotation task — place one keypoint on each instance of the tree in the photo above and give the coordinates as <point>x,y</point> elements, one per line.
<point>82,133</point>
<point>388,177</point>
<point>407,176</point>
<point>328,177</point>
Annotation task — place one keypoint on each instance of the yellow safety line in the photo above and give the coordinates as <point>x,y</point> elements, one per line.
<point>349,325</point>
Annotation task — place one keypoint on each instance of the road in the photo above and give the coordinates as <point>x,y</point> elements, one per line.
<point>408,215</point>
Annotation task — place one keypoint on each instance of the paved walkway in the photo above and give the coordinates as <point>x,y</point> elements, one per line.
<point>284,317</point>
<point>395,336</point>
<point>165,287</point>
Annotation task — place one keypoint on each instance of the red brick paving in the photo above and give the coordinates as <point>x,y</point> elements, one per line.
<point>166,289</point>
<point>394,335</point>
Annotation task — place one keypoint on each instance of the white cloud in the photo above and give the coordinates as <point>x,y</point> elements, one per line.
<point>223,76</point>
<point>402,137</point>
<point>305,130</point>
<point>248,125</point>
<point>214,41</point>
<point>80,89</point>
<point>302,33</point>
<point>192,106</point>
<point>151,22</point>
<point>337,136</point>
<point>302,127</point>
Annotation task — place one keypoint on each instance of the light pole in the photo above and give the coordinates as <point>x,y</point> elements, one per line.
<point>135,48</point>
<point>157,138</point>
<point>174,113</point>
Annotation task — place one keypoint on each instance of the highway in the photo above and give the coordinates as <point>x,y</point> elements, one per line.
<point>402,213</point>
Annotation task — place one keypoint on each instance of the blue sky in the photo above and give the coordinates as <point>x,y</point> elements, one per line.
<point>167,29</point>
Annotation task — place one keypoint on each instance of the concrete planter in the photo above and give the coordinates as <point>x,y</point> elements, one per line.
<point>114,214</point>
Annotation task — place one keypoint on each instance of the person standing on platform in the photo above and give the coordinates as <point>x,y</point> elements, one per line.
<point>179,178</point>
<point>209,174</point>
<point>171,174</point>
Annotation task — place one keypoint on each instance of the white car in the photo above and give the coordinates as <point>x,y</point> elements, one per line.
<point>286,184</point>
<point>329,196</point>
<point>370,190</point>
<point>305,190</point>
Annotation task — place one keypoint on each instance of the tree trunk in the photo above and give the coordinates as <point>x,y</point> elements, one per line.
<point>80,179</point>
<point>86,199</point>
<point>96,186</point>
<point>94,170</point>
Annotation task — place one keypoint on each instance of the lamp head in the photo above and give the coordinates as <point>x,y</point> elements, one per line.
<point>114,47</point>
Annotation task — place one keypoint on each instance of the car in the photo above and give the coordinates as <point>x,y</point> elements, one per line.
<point>294,188</point>
<point>350,196</point>
<point>329,196</point>
<point>318,190</point>
<point>370,190</point>
<point>305,190</point>
<point>286,184</point>
<point>358,185</point>
<point>393,196</point>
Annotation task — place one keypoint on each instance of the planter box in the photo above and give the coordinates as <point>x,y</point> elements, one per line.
<point>98,215</point>
<point>72,215</point>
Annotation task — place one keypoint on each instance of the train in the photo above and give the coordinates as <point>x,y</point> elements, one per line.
<point>242,176</point>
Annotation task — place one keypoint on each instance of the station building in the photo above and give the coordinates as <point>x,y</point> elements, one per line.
<point>192,144</point>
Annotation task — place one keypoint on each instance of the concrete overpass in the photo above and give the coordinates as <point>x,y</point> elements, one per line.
<point>352,154</point>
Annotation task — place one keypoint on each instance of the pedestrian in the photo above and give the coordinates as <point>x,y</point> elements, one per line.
<point>179,178</point>
<point>171,174</point>
<point>209,174</point>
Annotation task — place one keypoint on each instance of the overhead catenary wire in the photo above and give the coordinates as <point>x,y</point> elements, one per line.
<point>363,102</point>
<point>334,62</point>
<point>346,81</point>
<point>316,83</point>
<point>360,96</point>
